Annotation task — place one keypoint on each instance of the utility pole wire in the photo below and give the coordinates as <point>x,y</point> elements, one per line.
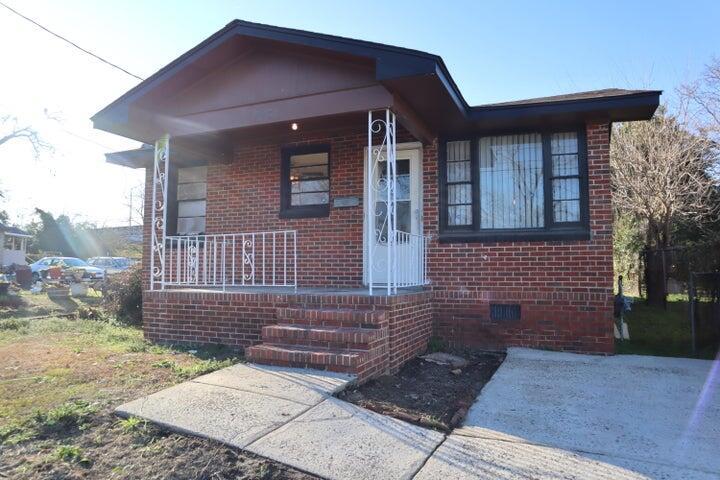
<point>70,42</point>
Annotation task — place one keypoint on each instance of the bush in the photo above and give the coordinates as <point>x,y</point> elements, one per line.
<point>123,295</point>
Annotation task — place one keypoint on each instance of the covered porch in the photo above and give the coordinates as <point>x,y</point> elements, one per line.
<point>250,88</point>
<point>394,245</point>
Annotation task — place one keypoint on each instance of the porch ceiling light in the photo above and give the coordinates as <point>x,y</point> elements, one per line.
<point>294,126</point>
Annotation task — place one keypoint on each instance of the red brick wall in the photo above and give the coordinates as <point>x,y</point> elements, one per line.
<point>236,320</point>
<point>245,197</point>
<point>564,287</point>
<point>410,323</point>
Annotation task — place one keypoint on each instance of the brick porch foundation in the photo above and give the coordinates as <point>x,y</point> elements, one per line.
<point>366,335</point>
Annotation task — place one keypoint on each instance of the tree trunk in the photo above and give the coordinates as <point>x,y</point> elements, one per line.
<point>655,282</point>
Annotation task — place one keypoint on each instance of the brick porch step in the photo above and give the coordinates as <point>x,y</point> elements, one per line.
<point>330,337</point>
<point>330,317</point>
<point>303,357</point>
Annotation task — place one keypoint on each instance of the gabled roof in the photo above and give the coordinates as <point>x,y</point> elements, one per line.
<point>421,79</point>
<point>13,230</point>
<point>391,61</point>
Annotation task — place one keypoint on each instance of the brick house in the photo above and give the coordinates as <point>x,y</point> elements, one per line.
<point>335,203</point>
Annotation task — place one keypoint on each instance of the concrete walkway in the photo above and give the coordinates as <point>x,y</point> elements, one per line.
<point>543,415</point>
<point>560,415</point>
<point>289,415</point>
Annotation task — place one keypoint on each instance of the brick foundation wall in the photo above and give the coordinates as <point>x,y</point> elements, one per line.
<point>236,320</point>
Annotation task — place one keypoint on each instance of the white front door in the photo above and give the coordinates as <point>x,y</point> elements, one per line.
<point>409,239</point>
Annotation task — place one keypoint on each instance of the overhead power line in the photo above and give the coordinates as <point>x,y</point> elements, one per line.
<point>98,57</point>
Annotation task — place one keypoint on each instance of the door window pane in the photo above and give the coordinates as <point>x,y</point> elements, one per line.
<point>403,221</point>
<point>511,182</point>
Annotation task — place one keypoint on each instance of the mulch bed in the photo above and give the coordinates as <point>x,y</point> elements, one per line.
<point>428,394</point>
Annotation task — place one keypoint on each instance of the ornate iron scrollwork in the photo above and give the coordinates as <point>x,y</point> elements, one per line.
<point>159,212</point>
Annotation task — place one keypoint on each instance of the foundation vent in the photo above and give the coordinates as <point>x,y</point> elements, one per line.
<point>504,311</point>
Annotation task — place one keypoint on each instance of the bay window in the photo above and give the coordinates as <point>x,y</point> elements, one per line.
<point>517,186</point>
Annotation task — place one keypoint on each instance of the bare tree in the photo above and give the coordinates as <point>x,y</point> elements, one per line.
<point>661,176</point>
<point>704,95</point>
<point>703,98</point>
<point>12,129</point>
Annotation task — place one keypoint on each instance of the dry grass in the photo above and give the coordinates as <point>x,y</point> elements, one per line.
<point>61,378</point>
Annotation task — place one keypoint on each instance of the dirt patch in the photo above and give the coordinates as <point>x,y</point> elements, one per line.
<point>106,449</point>
<point>24,304</point>
<point>428,394</point>
<point>59,382</point>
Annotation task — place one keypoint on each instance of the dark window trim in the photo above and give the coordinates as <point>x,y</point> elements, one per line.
<point>552,230</point>
<point>304,211</point>
<point>172,206</point>
<point>173,203</point>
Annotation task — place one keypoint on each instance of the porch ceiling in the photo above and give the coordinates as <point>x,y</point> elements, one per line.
<point>217,147</point>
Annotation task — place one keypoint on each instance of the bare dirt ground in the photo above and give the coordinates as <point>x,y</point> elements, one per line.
<point>60,380</point>
<point>428,394</point>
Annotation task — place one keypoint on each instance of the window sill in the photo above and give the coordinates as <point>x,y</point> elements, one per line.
<point>310,211</point>
<point>514,236</point>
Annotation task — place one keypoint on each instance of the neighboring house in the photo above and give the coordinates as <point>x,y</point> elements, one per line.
<point>270,225</point>
<point>14,246</point>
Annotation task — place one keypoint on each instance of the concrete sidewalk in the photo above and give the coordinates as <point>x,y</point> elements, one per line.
<point>543,415</point>
<point>560,415</point>
<point>289,415</point>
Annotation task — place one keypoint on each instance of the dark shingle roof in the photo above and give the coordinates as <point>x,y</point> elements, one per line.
<point>569,97</point>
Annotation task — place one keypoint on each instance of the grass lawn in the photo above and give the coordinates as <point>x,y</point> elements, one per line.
<point>27,305</point>
<point>60,379</point>
<point>655,331</point>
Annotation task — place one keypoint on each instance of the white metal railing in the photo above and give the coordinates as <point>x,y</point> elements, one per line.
<point>411,250</point>
<point>260,259</point>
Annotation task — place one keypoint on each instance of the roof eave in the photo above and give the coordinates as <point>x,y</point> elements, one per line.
<point>635,106</point>
<point>138,158</point>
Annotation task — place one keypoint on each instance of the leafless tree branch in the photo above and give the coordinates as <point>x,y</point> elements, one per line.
<point>661,174</point>
<point>12,129</point>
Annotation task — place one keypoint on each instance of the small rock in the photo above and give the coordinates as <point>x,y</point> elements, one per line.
<point>457,371</point>
<point>354,397</point>
<point>414,396</point>
<point>442,358</point>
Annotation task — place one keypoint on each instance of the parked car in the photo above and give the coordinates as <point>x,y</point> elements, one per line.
<point>39,268</point>
<point>111,265</point>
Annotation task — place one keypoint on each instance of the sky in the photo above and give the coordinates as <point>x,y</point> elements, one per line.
<point>495,51</point>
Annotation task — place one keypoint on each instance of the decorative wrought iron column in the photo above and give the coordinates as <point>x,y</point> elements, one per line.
<point>381,214</point>
<point>158,219</point>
